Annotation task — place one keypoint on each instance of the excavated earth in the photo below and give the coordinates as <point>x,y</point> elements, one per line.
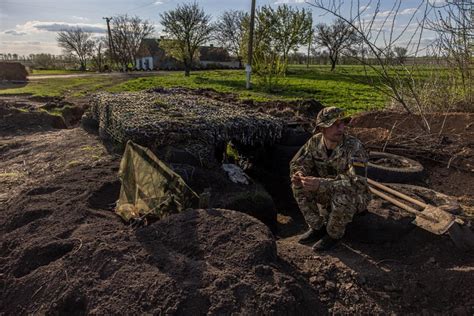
<point>64,251</point>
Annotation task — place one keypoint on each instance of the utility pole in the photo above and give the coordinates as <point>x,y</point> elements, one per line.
<point>307,56</point>
<point>310,39</point>
<point>248,67</point>
<point>111,43</point>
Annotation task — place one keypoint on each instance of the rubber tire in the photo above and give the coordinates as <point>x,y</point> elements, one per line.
<point>413,173</point>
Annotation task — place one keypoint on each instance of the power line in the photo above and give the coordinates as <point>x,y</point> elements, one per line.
<point>142,6</point>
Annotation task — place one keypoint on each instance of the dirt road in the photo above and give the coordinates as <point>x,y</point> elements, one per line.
<point>134,74</point>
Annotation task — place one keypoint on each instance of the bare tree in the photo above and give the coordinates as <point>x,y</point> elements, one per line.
<point>336,38</point>
<point>77,42</point>
<point>98,53</point>
<point>187,27</point>
<point>229,32</point>
<point>453,24</point>
<point>400,54</point>
<point>378,35</point>
<point>127,35</point>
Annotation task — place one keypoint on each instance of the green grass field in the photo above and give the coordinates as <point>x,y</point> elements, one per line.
<point>348,87</point>
<point>55,87</point>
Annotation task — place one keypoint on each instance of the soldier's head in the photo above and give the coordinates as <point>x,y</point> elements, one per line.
<point>331,121</point>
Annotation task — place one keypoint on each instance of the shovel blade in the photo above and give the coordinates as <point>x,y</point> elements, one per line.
<point>439,223</point>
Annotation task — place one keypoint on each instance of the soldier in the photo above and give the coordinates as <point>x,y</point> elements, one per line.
<point>327,189</point>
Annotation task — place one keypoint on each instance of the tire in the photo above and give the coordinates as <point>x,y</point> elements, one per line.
<point>410,171</point>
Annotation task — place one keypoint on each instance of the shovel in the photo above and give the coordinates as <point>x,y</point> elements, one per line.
<point>431,218</point>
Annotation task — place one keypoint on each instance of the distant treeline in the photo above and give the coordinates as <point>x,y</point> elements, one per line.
<point>50,61</point>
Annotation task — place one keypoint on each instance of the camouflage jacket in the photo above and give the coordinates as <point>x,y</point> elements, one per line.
<point>338,168</point>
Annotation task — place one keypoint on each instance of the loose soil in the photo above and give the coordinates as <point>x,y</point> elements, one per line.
<point>64,251</point>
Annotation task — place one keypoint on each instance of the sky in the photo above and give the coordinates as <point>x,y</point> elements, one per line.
<point>30,26</point>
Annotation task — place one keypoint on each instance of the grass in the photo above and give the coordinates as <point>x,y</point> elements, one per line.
<point>55,87</point>
<point>301,83</point>
<point>348,87</point>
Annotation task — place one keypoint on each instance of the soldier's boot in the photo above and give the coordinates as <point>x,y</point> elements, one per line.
<point>311,235</point>
<point>325,243</point>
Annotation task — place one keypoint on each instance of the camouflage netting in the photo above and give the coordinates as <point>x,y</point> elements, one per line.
<point>183,119</point>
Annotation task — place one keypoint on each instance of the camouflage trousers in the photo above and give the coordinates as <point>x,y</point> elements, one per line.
<point>334,208</point>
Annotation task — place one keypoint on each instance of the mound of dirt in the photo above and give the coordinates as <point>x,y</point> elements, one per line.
<point>449,140</point>
<point>446,151</point>
<point>12,72</point>
<point>25,115</point>
<point>200,261</point>
<point>14,121</point>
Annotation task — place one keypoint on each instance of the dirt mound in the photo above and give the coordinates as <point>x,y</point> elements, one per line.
<point>25,115</point>
<point>447,151</point>
<point>15,120</point>
<point>449,141</point>
<point>200,261</point>
<point>12,72</point>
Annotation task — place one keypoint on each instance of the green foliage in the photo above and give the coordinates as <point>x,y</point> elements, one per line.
<point>188,27</point>
<point>177,50</point>
<point>277,32</point>
<point>231,153</point>
<point>270,69</point>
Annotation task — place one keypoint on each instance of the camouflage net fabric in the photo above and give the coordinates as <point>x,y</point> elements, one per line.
<point>181,118</point>
<point>149,187</point>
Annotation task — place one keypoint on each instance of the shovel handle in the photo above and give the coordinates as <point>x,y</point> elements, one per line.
<point>396,193</point>
<point>402,205</point>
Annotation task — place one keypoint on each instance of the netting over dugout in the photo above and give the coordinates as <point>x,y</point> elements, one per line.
<point>181,118</point>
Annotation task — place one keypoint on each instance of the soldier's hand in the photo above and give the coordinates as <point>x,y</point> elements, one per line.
<point>296,178</point>
<point>310,184</point>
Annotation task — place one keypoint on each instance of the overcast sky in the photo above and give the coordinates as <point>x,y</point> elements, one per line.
<point>30,26</point>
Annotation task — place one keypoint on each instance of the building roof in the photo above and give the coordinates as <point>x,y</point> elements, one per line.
<point>212,53</point>
<point>149,47</point>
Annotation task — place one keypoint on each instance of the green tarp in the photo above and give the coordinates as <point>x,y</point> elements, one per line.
<point>149,187</point>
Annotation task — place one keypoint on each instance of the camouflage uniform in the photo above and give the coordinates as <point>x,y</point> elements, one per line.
<point>341,192</point>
